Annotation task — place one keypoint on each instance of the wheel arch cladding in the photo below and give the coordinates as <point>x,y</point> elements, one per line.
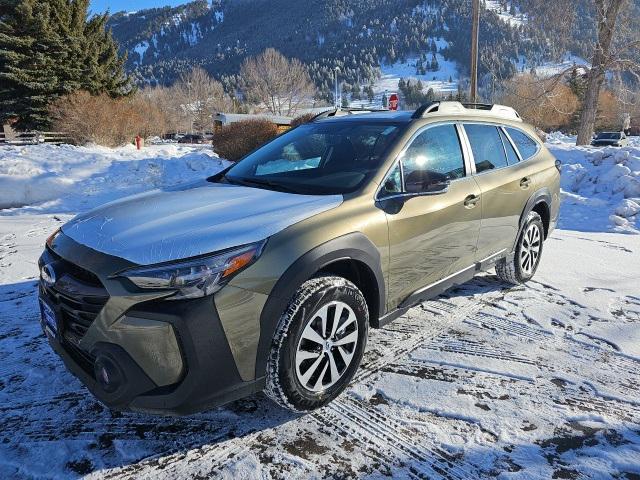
<point>539,202</point>
<point>352,254</point>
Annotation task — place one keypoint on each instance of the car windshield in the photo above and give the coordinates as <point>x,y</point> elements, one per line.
<point>608,136</point>
<point>317,158</point>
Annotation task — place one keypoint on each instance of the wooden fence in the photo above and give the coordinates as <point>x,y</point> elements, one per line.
<point>33,138</point>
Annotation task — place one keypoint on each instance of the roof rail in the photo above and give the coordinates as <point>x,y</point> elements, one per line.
<point>470,109</point>
<point>340,111</point>
<point>478,106</point>
<point>424,109</point>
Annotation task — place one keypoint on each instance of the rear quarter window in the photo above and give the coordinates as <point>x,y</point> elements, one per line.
<point>527,146</point>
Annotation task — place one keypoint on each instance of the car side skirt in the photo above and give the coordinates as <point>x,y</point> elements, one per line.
<point>433,290</point>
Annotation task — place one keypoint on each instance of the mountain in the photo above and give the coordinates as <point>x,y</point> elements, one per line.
<point>356,36</point>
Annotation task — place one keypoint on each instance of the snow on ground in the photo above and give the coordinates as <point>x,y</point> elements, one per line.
<point>516,20</point>
<point>60,179</point>
<point>487,381</point>
<point>601,186</point>
<point>548,69</point>
<point>439,80</point>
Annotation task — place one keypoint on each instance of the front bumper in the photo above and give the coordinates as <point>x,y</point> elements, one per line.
<point>169,357</point>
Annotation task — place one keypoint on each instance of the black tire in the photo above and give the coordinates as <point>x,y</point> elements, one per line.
<point>283,380</point>
<point>511,269</point>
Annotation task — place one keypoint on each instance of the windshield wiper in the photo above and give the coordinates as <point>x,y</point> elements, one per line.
<point>261,183</point>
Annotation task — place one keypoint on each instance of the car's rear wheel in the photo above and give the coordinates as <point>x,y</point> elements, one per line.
<point>318,344</point>
<point>522,267</point>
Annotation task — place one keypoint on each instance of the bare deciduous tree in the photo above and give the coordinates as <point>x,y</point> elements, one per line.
<point>189,105</point>
<point>614,47</point>
<point>604,59</point>
<point>278,84</point>
<point>201,97</point>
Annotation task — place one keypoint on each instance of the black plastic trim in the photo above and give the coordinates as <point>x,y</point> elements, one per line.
<point>353,246</point>
<point>541,196</point>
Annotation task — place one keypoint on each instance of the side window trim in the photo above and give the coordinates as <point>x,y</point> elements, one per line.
<point>473,163</point>
<point>470,165</point>
<point>537,144</point>
<point>397,161</point>
<point>513,145</point>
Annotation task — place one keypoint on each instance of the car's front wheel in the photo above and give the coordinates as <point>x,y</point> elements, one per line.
<point>524,263</point>
<point>318,344</point>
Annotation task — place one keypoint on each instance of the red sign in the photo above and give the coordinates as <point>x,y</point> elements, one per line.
<point>393,101</point>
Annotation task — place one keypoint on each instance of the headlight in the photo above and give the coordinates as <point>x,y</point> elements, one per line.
<point>196,277</point>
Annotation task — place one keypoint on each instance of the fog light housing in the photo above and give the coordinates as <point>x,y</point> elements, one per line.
<point>108,375</point>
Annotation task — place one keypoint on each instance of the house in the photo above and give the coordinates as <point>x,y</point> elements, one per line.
<point>222,119</point>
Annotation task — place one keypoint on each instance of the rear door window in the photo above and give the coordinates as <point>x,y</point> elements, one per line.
<point>524,143</point>
<point>487,148</point>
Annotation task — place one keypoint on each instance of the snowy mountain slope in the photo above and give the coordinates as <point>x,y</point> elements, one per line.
<point>486,381</point>
<point>356,36</point>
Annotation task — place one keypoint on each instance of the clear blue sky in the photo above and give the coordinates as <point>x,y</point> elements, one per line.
<point>99,6</point>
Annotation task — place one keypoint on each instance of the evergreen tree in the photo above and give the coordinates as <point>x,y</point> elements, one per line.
<point>431,95</point>
<point>49,48</point>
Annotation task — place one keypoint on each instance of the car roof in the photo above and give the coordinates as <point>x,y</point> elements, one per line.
<point>433,110</point>
<point>375,117</point>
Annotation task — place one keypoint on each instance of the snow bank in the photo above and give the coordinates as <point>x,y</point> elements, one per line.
<point>601,186</point>
<point>58,179</point>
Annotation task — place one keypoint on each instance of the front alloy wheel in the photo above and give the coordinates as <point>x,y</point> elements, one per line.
<point>318,344</point>
<point>327,346</point>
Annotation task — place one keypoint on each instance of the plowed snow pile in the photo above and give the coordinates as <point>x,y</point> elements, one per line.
<point>601,186</point>
<point>50,178</point>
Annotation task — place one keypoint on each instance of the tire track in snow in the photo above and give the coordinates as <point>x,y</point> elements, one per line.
<point>432,459</point>
<point>398,342</point>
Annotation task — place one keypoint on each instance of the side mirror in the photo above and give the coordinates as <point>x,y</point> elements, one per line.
<point>438,187</point>
<point>426,184</point>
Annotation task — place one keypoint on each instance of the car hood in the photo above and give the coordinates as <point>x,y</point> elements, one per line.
<point>171,224</point>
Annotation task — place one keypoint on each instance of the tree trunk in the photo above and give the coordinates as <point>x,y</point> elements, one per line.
<point>607,15</point>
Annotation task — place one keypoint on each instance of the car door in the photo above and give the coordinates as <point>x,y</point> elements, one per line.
<point>505,182</point>
<point>433,211</point>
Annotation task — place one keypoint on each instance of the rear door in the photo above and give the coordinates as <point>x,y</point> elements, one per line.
<point>506,183</point>
<point>434,234</point>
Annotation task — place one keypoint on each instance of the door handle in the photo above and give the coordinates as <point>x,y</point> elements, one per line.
<point>471,201</point>
<point>525,182</point>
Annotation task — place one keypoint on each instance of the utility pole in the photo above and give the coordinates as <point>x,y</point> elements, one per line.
<point>336,101</point>
<point>475,32</point>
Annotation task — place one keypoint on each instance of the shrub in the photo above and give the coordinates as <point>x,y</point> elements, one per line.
<point>104,120</point>
<point>302,119</point>
<point>237,139</point>
<point>545,103</point>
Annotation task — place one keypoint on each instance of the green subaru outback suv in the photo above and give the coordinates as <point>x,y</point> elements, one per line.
<point>269,275</point>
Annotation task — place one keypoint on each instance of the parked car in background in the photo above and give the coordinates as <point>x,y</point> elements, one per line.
<point>192,138</point>
<point>610,139</point>
<point>268,275</point>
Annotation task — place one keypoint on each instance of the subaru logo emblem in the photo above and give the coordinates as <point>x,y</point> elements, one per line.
<point>48,274</point>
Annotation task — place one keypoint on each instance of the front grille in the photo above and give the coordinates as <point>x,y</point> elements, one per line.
<point>78,296</point>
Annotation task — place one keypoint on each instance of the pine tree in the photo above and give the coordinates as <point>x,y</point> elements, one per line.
<point>48,48</point>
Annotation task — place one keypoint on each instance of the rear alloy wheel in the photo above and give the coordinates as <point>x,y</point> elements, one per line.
<point>318,344</point>
<point>523,265</point>
<point>530,249</point>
